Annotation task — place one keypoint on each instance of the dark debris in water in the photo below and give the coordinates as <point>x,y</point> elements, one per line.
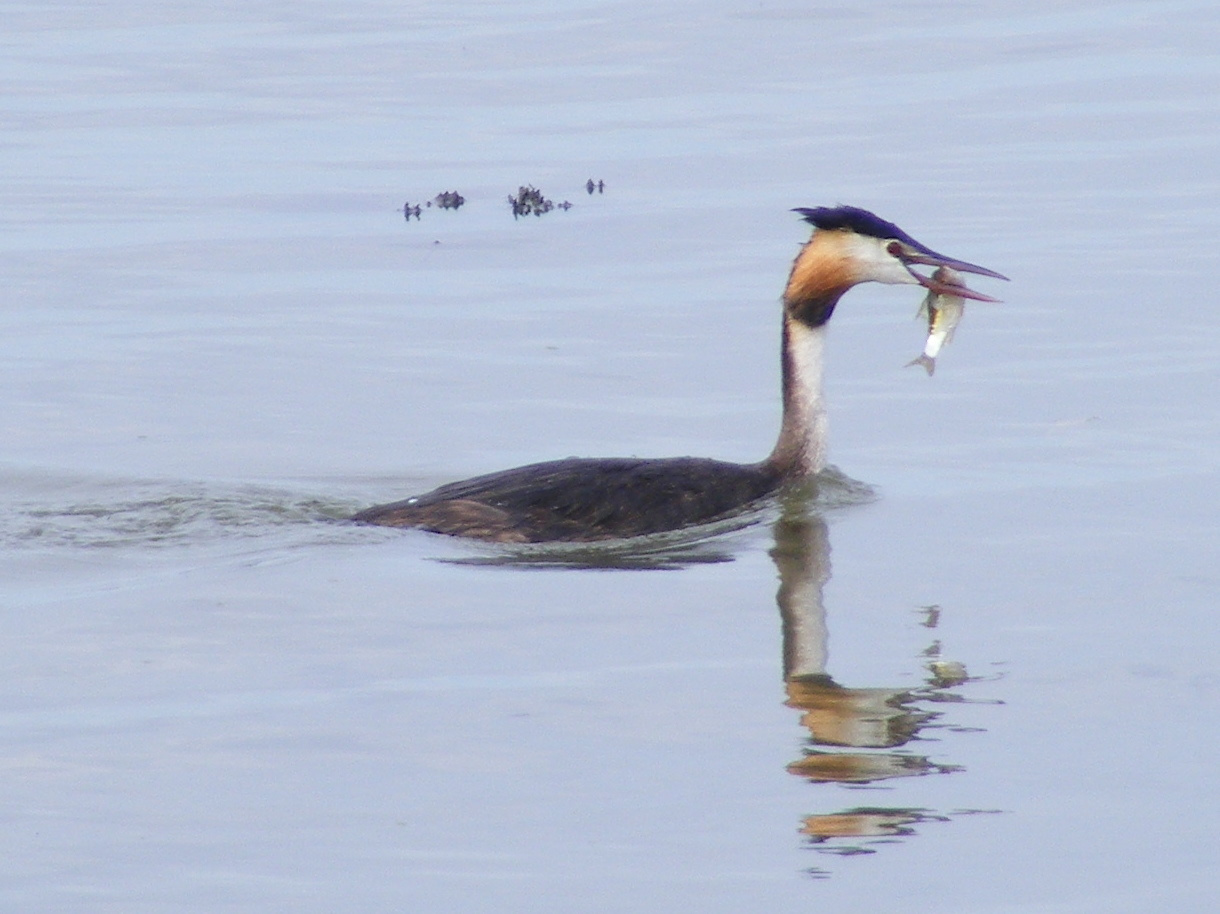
<point>449,199</point>
<point>446,199</point>
<point>529,201</point>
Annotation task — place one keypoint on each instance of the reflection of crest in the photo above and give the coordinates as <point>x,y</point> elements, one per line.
<point>866,822</point>
<point>856,735</point>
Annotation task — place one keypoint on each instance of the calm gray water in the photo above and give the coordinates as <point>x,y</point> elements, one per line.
<point>989,688</point>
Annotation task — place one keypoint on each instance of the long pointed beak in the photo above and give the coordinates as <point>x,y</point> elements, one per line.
<point>924,256</point>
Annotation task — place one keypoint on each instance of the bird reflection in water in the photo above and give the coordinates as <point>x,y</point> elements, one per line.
<point>855,734</point>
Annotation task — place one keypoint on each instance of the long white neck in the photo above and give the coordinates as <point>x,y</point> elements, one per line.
<point>801,448</point>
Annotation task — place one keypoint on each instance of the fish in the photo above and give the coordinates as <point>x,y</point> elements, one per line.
<point>944,312</point>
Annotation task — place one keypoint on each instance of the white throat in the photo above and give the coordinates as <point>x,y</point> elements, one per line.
<point>801,449</point>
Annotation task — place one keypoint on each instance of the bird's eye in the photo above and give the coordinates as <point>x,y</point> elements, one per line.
<point>895,249</point>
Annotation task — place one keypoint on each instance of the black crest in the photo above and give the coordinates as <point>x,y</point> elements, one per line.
<point>852,219</point>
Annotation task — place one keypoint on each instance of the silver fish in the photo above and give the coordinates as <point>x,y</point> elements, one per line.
<point>944,312</point>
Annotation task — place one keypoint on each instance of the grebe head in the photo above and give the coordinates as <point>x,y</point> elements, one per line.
<point>850,246</point>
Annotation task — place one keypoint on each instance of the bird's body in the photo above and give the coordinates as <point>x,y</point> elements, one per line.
<point>584,500</point>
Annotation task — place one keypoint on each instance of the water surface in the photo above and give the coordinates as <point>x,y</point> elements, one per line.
<point>990,687</point>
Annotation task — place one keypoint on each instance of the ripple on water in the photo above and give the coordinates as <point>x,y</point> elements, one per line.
<point>92,514</point>
<point>66,513</point>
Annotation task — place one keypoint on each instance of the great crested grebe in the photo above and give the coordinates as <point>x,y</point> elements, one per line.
<point>588,499</point>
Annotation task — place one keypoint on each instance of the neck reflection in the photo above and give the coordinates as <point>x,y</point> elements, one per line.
<point>855,735</point>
